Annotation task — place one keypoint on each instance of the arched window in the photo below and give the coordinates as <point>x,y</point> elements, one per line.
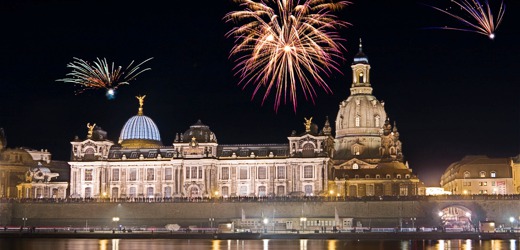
<point>466,174</point>
<point>361,78</point>
<point>149,192</point>
<point>115,192</point>
<point>356,150</point>
<point>407,176</point>
<point>358,120</point>
<point>493,174</point>
<point>377,120</point>
<point>261,191</point>
<point>88,192</point>
<point>482,174</point>
<point>308,150</point>
<point>367,176</point>
<point>388,176</point>
<point>378,176</point>
<point>398,176</point>
<point>355,166</point>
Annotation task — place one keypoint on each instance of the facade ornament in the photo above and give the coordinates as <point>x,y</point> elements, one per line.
<point>90,130</point>
<point>141,103</point>
<point>307,124</point>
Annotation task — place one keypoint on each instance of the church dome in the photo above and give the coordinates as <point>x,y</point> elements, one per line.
<point>140,131</point>
<point>360,115</point>
<point>200,132</point>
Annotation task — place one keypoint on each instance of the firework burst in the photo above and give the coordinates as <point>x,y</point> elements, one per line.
<point>285,46</point>
<point>101,75</point>
<point>478,17</point>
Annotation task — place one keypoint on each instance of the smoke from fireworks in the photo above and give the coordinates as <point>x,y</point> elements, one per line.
<point>101,75</point>
<point>280,44</point>
<point>477,17</point>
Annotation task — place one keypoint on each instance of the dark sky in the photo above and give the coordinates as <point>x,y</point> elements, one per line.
<point>451,93</point>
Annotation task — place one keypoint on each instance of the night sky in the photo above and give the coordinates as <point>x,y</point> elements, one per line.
<point>451,93</point>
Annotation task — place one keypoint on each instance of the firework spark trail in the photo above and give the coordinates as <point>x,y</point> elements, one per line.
<point>100,74</point>
<point>480,20</point>
<point>283,43</point>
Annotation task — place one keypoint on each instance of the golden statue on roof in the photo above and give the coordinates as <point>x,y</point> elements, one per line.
<point>141,103</point>
<point>307,124</point>
<point>90,130</point>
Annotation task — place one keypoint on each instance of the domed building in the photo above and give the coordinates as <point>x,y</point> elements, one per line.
<point>195,165</point>
<point>368,158</point>
<point>140,131</point>
<point>363,159</point>
<point>16,163</point>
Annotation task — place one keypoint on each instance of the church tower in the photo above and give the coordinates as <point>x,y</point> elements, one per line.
<point>360,119</point>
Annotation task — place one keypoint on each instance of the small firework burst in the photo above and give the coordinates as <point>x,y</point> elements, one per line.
<point>101,75</point>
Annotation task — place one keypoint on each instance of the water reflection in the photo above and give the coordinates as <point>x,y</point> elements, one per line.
<point>273,244</point>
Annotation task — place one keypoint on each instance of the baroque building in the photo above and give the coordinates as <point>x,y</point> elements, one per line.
<point>195,165</point>
<point>368,158</point>
<point>363,159</point>
<point>19,164</point>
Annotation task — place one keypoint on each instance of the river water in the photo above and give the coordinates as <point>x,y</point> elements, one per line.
<point>163,244</point>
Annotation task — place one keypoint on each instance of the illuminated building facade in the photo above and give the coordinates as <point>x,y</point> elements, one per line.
<point>195,165</point>
<point>363,159</point>
<point>479,174</point>
<point>368,158</point>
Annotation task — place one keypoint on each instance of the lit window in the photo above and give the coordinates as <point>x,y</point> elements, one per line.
<point>493,174</point>
<point>168,176</point>
<point>225,173</point>
<point>115,174</point>
<point>377,121</point>
<point>466,174</point>
<point>398,176</point>
<point>388,176</point>
<point>262,173</point>
<point>355,166</point>
<point>358,118</point>
<point>132,175</point>
<point>482,174</point>
<point>243,173</point>
<point>150,174</point>
<point>307,172</point>
<point>88,174</point>
<point>281,172</point>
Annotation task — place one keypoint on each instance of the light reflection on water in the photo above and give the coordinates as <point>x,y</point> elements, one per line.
<point>295,244</point>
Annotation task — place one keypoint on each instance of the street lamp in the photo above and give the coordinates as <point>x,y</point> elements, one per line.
<point>266,221</point>
<point>413,222</point>
<point>211,222</point>
<point>24,219</point>
<point>331,192</point>
<point>511,219</point>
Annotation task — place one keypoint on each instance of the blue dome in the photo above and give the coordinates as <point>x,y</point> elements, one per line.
<point>140,131</point>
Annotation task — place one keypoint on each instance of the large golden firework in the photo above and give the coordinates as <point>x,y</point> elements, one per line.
<point>286,46</point>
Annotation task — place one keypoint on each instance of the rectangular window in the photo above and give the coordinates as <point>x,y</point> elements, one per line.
<point>200,172</point>
<point>308,172</point>
<point>280,190</point>
<point>150,174</point>
<point>132,174</point>
<point>115,174</point>
<point>281,172</point>
<point>243,173</point>
<point>262,173</point>
<point>168,174</point>
<point>188,172</point>
<point>493,174</point>
<point>485,183</point>
<point>493,183</point>
<point>88,192</point>
<point>243,191</point>
<point>194,172</point>
<point>88,174</point>
<point>225,173</point>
